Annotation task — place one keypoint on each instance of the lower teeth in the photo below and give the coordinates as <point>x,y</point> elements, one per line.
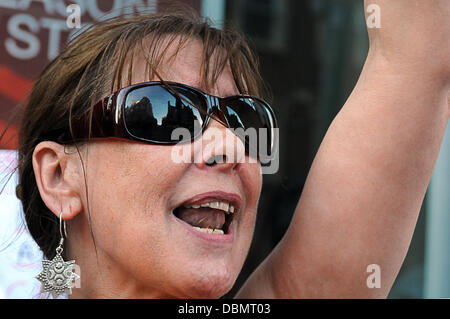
<point>210,230</point>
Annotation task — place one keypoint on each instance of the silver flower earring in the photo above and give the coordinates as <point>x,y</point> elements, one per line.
<point>57,276</point>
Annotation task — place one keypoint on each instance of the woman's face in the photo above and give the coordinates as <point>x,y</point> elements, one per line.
<point>135,193</point>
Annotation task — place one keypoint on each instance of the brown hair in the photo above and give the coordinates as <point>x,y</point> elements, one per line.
<point>92,65</point>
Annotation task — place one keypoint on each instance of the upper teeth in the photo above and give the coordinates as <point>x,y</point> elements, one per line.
<point>226,207</point>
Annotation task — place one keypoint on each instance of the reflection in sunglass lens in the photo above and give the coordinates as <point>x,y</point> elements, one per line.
<point>152,113</point>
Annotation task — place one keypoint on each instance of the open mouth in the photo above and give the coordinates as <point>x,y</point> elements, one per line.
<point>210,216</point>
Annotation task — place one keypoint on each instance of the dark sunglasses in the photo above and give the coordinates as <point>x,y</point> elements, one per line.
<point>151,111</point>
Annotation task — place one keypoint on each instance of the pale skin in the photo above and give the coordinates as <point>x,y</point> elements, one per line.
<point>359,205</point>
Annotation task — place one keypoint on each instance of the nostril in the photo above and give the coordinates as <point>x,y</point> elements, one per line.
<point>216,159</point>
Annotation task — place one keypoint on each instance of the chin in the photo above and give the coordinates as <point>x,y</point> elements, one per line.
<point>209,285</point>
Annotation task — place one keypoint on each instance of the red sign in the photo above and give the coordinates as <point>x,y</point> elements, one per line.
<point>33,32</point>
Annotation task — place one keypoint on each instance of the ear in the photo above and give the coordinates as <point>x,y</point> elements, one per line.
<point>57,179</point>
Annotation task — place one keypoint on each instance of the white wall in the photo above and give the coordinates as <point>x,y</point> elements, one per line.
<point>20,257</point>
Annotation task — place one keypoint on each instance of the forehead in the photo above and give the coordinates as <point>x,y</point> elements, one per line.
<point>183,65</point>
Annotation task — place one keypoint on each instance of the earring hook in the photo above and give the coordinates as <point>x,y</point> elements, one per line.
<point>61,222</point>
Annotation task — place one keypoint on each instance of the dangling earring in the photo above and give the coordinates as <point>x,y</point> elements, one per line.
<point>57,275</point>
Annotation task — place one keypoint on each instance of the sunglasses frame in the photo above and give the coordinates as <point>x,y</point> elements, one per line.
<point>108,114</point>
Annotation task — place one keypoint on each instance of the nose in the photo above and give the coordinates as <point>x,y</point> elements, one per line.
<point>218,148</point>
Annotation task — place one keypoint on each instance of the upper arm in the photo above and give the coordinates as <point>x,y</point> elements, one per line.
<point>364,191</point>
<point>361,200</point>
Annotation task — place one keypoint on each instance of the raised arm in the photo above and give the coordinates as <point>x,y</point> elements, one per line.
<point>364,191</point>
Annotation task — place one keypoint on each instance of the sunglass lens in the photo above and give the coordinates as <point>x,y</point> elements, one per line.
<point>164,115</point>
<point>253,122</point>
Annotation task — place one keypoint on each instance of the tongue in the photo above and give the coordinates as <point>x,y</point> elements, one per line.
<point>202,217</point>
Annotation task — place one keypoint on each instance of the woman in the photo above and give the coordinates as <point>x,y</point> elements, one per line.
<point>140,224</point>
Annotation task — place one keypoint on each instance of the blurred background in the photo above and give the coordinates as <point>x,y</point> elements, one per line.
<point>311,54</point>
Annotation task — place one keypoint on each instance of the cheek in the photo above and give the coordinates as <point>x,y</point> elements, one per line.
<point>132,172</point>
<point>128,191</point>
<point>251,177</point>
